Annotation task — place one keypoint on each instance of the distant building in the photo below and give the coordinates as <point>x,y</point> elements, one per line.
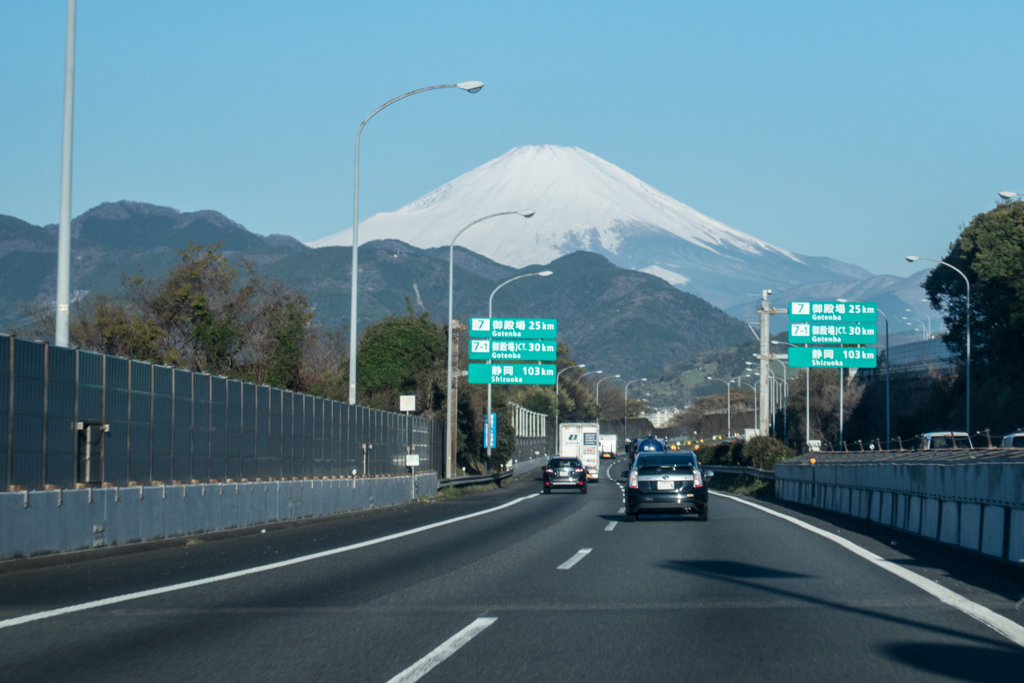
<point>660,418</point>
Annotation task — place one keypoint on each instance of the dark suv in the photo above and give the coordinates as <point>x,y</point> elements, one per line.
<point>565,473</point>
<point>667,483</point>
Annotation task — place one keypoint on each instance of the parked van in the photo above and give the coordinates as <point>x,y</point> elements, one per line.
<point>1015,440</point>
<point>939,440</point>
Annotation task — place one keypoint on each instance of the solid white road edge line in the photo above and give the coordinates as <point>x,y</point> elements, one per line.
<point>611,525</point>
<point>443,651</point>
<point>998,623</point>
<point>27,618</point>
<point>580,554</point>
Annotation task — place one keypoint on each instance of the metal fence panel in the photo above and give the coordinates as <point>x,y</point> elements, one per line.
<point>140,422</point>
<point>27,458</point>
<point>200,427</point>
<point>60,419</point>
<point>274,433</point>
<point>218,428</point>
<point>162,423</point>
<point>181,455</point>
<point>307,435</point>
<point>262,432</point>
<point>5,394</point>
<point>115,407</point>
<point>248,431</point>
<point>234,422</point>
<point>318,436</point>
<point>287,434</point>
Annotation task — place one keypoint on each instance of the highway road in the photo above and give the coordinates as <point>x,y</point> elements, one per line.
<point>511,585</point>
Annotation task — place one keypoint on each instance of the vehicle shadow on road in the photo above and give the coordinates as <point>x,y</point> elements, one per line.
<point>963,662</point>
<point>740,570</point>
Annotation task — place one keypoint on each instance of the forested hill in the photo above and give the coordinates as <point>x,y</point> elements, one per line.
<point>617,320</point>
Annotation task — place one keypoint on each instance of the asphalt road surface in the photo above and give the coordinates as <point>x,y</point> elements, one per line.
<point>511,585</point>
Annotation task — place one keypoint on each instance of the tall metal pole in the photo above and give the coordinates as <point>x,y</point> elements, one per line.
<point>558,435</point>
<point>764,310</point>
<point>488,437</point>
<point>841,407</point>
<point>967,315</point>
<point>807,408</point>
<point>449,426</point>
<point>888,363</point>
<point>598,388</point>
<point>625,408</point>
<point>64,231</point>
<point>468,86</point>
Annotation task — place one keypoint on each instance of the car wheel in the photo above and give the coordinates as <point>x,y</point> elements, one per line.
<point>583,490</point>
<point>547,489</point>
<point>702,516</point>
<point>630,517</point>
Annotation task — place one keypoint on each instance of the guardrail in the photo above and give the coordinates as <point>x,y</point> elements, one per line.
<point>474,479</point>
<point>735,469</point>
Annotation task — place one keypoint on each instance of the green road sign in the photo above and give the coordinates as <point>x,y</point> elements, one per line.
<point>832,312</point>
<point>820,333</point>
<point>513,328</point>
<point>505,373</point>
<point>832,357</point>
<point>496,349</point>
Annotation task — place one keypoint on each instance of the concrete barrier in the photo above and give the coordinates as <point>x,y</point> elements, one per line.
<point>43,522</point>
<point>971,499</point>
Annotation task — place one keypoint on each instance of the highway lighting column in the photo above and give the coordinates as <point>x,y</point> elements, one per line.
<point>490,314</point>
<point>598,388</point>
<point>753,388</point>
<point>967,315</point>
<point>625,407</point>
<point>64,229</point>
<point>558,436</point>
<point>807,394</point>
<point>728,401</point>
<point>449,427</point>
<point>887,363</point>
<point>468,86</point>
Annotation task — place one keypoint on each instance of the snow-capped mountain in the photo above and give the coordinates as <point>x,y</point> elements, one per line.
<point>586,203</point>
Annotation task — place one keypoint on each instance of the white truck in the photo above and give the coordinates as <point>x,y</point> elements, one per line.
<point>581,440</point>
<point>609,445</point>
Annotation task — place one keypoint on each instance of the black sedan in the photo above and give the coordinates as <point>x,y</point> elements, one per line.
<point>565,473</point>
<point>667,483</point>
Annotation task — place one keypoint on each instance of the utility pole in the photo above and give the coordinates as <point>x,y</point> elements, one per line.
<point>765,312</point>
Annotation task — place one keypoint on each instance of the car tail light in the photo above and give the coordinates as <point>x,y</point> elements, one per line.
<point>698,479</point>
<point>633,479</point>
<point>578,470</point>
<point>549,470</point>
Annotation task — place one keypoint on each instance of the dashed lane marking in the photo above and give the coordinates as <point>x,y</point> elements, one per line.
<point>998,623</point>
<point>611,525</point>
<point>571,562</point>
<point>443,651</point>
<point>622,510</point>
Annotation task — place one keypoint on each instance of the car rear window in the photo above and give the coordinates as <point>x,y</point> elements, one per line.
<point>564,463</point>
<point>647,462</point>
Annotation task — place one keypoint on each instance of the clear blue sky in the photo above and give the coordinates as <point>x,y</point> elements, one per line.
<point>861,132</point>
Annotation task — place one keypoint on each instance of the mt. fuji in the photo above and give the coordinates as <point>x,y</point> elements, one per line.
<point>585,203</point>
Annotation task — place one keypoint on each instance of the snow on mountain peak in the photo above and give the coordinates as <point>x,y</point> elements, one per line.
<point>582,202</point>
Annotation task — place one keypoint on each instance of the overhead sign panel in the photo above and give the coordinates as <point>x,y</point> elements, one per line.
<point>832,357</point>
<point>503,373</point>
<point>821,333</point>
<point>513,328</point>
<point>496,349</point>
<point>832,312</point>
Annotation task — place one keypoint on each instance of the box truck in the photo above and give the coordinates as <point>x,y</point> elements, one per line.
<point>609,445</point>
<point>581,440</point>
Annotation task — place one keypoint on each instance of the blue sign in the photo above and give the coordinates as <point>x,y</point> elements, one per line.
<point>590,438</point>
<point>491,431</point>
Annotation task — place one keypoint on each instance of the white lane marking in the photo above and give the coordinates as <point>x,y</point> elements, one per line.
<point>27,618</point>
<point>621,510</point>
<point>443,651</point>
<point>611,525</point>
<point>998,623</point>
<point>568,564</point>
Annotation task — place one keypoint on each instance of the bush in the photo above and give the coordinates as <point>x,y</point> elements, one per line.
<point>763,452</point>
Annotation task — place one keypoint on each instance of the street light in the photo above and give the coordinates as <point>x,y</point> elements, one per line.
<point>728,399</point>
<point>888,363</point>
<point>807,395</point>
<point>449,428</point>
<point>967,315</point>
<point>1010,195</point>
<point>490,314</point>
<point>558,436</point>
<point>62,322</point>
<point>598,387</point>
<point>924,330</point>
<point>468,86</point>
<point>625,407</point>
